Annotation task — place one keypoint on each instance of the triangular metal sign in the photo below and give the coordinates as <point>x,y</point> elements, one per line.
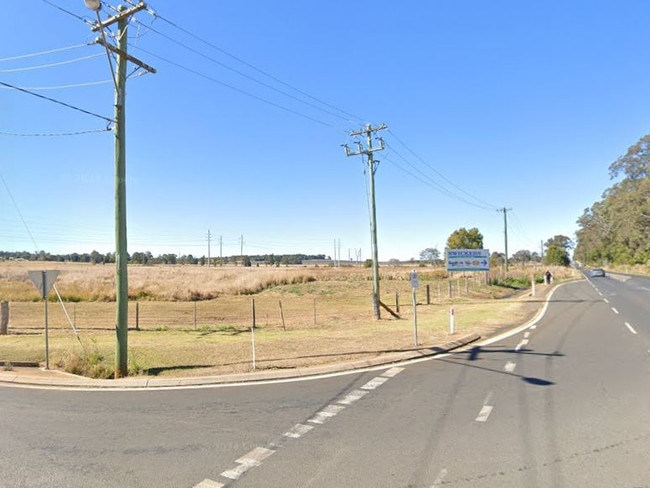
<point>43,281</point>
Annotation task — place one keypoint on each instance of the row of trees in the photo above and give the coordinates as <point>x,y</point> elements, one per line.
<point>96,257</point>
<point>616,229</point>
<point>557,250</point>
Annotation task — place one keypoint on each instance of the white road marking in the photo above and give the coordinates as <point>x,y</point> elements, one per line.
<point>374,383</point>
<point>440,478</point>
<point>533,326</point>
<point>390,373</point>
<point>605,300</point>
<point>521,344</point>
<point>615,311</point>
<point>630,327</point>
<point>353,397</point>
<point>298,430</point>
<point>527,335</point>
<point>248,461</point>
<point>488,397</point>
<point>206,483</point>
<point>325,414</point>
<point>484,413</point>
<point>510,366</point>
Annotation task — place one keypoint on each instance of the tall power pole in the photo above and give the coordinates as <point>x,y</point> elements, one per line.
<point>372,166</point>
<point>121,255</point>
<point>505,231</point>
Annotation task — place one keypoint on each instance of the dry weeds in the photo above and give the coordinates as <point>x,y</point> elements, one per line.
<point>303,316</point>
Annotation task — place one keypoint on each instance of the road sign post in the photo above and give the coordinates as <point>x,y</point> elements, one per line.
<point>44,281</point>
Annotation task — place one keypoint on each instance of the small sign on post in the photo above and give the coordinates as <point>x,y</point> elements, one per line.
<point>44,281</point>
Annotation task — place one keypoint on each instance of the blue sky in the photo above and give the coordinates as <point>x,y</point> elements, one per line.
<point>489,105</point>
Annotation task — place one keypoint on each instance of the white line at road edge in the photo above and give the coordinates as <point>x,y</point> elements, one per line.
<point>530,324</point>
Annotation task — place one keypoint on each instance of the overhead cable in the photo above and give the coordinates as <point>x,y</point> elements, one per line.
<point>253,67</point>
<point>31,55</point>
<point>239,90</point>
<point>50,65</point>
<point>109,120</point>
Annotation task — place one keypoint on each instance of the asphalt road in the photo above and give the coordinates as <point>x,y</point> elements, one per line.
<point>563,403</point>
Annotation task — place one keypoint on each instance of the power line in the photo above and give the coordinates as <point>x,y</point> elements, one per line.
<point>486,205</point>
<point>54,134</point>
<point>63,87</point>
<point>253,67</point>
<point>110,121</point>
<point>230,68</point>
<point>239,90</point>
<point>41,53</point>
<point>78,17</point>
<point>49,65</point>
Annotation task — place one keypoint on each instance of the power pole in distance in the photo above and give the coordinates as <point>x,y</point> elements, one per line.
<point>505,230</point>
<point>209,247</point>
<point>372,166</point>
<point>121,255</point>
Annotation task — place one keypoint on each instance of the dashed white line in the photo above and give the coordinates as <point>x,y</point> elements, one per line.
<point>510,366</point>
<point>298,430</point>
<point>325,414</point>
<point>374,383</point>
<point>521,344</point>
<point>485,412</point>
<point>206,483</point>
<point>605,300</point>
<point>630,327</point>
<point>248,461</point>
<point>353,396</point>
<point>526,335</point>
<point>614,310</point>
<point>390,373</point>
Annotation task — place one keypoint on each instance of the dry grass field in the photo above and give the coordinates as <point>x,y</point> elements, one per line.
<point>193,320</point>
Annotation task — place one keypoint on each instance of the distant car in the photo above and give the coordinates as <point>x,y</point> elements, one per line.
<point>597,272</point>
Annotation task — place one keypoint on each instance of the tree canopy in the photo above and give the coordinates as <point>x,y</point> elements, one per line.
<point>616,229</point>
<point>465,239</point>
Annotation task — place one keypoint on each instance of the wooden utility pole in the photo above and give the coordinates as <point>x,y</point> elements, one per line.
<point>505,231</point>
<point>121,255</point>
<point>372,167</point>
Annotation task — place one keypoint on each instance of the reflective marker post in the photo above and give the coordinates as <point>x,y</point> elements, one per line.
<point>452,324</point>
<point>414,286</point>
